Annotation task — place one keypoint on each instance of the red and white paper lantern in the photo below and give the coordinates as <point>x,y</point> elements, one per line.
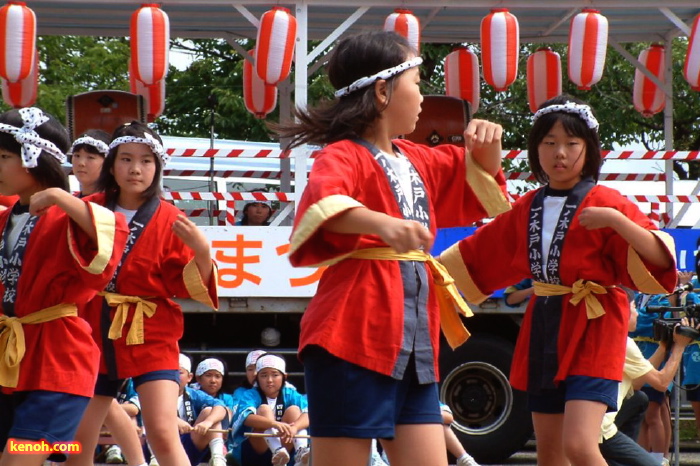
<point>500,45</point>
<point>275,45</point>
<point>588,42</point>
<point>404,23</point>
<point>649,98</point>
<point>23,92</point>
<point>543,77</point>
<point>154,95</point>
<point>462,76</point>
<point>691,69</point>
<point>17,41</point>
<point>150,43</point>
<point>259,97</point>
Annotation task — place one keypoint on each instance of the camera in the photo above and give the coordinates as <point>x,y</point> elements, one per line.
<point>664,326</point>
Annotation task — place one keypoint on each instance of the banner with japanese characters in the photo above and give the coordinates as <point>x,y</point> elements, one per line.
<point>253,262</point>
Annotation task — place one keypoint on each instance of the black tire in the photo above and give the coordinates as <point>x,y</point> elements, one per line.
<point>490,418</point>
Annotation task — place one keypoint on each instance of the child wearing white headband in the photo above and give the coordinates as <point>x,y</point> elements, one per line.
<point>166,256</point>
<point>56,253</point>
<point>372,206</point>
<point>86,155</point>
<point>275,408</point>
<point>578,242</point>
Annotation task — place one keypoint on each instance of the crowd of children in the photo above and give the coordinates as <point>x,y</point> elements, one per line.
<point>110,259</point>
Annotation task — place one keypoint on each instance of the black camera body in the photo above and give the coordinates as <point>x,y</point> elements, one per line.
<point>664,326</point>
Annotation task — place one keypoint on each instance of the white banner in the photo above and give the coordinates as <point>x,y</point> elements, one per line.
<point>253,262</point>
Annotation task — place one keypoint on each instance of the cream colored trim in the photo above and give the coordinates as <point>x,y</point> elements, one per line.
<point>105,228</point>
<point>642,278</point>
<point>318,213</point>
<point>451,258</point>
<point>485,188</point>
<point>196,288</point>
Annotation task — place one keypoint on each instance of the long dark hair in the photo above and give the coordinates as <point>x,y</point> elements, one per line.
<point>106,181</point>
<point>48,172</point>
<point>355,57</point>
<point>574,126</point>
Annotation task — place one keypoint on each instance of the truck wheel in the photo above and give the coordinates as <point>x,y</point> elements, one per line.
<point>490,418</point>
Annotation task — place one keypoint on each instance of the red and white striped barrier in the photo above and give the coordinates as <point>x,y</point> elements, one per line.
<point>229,153</point>
<point>270,175</point>
<point>207,196</point>
<point>626,155</point>
<point>603,176</point>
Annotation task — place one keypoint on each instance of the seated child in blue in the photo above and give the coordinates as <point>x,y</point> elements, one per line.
<point>272,407</point>
<point>197,413</point>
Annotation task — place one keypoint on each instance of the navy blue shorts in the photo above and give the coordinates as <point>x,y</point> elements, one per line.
<point>39,414</point>
<point>654,395</point>
<point>250,457</point>
<point>346,400</point>
<point>193,453</point>
<point>107,387</point>
<point>157,375</point>
<point>575,387</point>
<point>693,393</point>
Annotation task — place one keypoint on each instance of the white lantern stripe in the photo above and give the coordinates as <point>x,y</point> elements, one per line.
<point>500,47</point>
<point>648,98</point>
<point>543,77</point>
<point>150,44</point>
<point>17,41</point>
<point>23,92</point>
<point>259,97</point>
<point>588,41</point>
<point>691,68</point>
<point>462,76</point>
<point>275,45</point>
<point>404,23</point>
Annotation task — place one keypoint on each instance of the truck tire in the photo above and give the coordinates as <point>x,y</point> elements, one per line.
<point>490,418</point>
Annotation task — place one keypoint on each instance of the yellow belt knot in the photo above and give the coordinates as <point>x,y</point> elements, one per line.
<point>123,304</point>
<point>451,303</point>
<point>12,344</point>
<point>581,290</point>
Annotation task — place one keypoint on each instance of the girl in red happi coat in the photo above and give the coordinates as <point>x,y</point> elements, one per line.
<point>56,253</point>
<point>371,209</point>
<point>166,256</point>
<point>577,241</point>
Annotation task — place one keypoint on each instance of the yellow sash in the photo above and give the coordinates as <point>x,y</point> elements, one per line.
<point>12,345</point>
<point>581,289</point>
<point>123,303</point>
<point>647,339</point>
<point>449,299</point>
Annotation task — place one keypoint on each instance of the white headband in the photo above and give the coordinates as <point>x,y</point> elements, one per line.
<point>101,147</point>
<point>185,362</point>
<point>271,361</point>
<point>147,139</point>
<point>253,356</point>
<point>384,74</point>
<point>32,144</point>
<point>208,365</point>
<point>583,111</point>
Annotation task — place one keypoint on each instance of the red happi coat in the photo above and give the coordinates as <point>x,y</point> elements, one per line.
<point>497,256</point>
<point>159,267</point>
<point>357,312</point>
<point>63,265</point>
